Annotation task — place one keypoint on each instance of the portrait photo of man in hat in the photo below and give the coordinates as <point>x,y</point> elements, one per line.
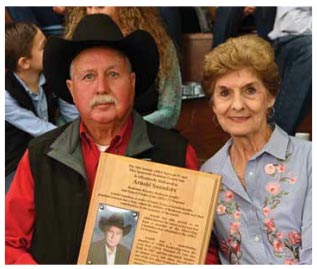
<point>109,250</point>
<point>100,71</point>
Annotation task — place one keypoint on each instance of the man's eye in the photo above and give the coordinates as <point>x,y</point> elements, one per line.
<point>113,74</point>
<point>88,77</point>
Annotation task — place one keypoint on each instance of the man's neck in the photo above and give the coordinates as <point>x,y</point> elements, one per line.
<point>102,134</point>
<point>110,249</point>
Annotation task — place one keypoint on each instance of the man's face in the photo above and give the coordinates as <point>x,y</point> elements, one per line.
<point>113,236</point>
<point>102,86</point>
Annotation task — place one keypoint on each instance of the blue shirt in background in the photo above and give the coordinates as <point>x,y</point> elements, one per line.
<point>25,119</point>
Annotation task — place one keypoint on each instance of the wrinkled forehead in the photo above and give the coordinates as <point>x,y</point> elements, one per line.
<point>111,53</point>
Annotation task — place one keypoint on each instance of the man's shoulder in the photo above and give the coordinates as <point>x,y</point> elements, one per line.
<point>122,248</point>
<point>48,136</point>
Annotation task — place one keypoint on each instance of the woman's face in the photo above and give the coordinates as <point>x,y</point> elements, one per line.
<point>241,102</point>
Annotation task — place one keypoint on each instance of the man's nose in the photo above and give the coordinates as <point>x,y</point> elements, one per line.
<point>103,86</point>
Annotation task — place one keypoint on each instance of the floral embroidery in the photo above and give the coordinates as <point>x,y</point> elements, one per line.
<point>231,247</point>
<point>284,245</point>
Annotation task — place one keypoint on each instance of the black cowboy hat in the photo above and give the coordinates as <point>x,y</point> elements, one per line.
<point>114,220</point>
<point>100,30</point>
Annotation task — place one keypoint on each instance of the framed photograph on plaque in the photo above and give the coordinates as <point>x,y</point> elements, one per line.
<point>113,235</point>
<point>162,214</point>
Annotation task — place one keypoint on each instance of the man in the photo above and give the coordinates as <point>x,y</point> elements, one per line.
<point>109,250</point>
<point>229,20</point>
<point>47,204</point>
<point>292,40</point>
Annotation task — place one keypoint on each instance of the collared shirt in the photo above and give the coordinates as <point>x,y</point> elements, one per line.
<point>118,146</point>
<point>20,208</point>
<point>25,119</point>
<point>270,221</point>
<point>111,255</point>
<point>68,111</point>
<point>292,21</point>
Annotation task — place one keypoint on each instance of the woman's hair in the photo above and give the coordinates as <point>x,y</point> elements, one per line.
<point>236,53</point>
<point>18,42</point>
<point>129,20</point>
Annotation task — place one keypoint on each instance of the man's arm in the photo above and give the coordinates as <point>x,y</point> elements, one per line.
<point>20,215</point>
<point>191,158</point>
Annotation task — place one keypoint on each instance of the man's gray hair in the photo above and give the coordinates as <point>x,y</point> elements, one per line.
<point>71,67</point>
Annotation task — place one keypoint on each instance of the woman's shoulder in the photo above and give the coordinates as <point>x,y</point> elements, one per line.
<point>294,141</point>
<point>216,161</point>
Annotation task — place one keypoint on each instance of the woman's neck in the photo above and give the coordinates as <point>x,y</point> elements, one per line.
<point>246,147</point>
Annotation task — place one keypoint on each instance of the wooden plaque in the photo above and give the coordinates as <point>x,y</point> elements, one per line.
<point>169,210</point>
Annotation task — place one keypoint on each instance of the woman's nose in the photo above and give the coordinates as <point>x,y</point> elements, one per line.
<point>237,101</point>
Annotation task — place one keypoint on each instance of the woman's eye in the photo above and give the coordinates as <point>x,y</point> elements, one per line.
<point>224,93</point>
<point>251,90</point>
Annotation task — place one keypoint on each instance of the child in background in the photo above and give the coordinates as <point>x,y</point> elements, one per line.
<point>30,108</point>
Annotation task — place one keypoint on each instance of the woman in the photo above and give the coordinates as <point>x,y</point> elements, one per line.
<point>160,105</point>
<point>264,207</point>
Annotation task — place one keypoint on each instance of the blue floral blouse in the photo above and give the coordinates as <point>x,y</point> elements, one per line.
<point>270,221</point>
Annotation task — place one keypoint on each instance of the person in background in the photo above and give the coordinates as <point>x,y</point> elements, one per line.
<point>30,108</point>
<point>103,70</point>
<point>109,250</point>
<point>291,38</point>
<point>264,213</point>
<point>43,17</point>
<point>229,20</point>
<point>171,18</point>
<point>161,103</point>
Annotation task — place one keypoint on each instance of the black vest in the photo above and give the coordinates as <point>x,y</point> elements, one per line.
<point>62,199</point>
<point>16,140</point>
<point>147,102</point>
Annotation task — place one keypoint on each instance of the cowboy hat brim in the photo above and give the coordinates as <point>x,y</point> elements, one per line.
<point>139,47</point>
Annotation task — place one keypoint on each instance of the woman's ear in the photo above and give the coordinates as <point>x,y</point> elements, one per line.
<point>271,101</point>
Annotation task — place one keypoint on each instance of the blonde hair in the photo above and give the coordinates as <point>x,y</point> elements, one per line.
<point>131,19</point>
<point>239,52</point>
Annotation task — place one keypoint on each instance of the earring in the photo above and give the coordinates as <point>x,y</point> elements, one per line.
<point>270,112</point>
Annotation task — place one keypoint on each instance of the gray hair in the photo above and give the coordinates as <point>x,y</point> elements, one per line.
<point>71,67</point>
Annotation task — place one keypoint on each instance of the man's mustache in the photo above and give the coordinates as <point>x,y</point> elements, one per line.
<point>102,99</point>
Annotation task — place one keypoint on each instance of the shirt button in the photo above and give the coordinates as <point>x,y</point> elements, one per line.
<point>250,173</point>
<point>256,238</point>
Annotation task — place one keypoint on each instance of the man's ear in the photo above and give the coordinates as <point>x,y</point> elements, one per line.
<point>23,63</point>
<point>69,84</point>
